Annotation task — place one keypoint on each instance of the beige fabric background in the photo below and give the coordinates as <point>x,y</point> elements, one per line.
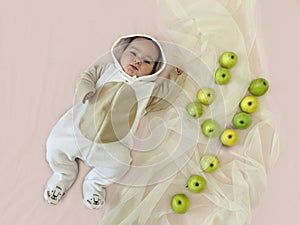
<point>45,45</point>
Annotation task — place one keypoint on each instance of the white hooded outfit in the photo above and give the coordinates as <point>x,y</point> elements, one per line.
<point>100,131</point>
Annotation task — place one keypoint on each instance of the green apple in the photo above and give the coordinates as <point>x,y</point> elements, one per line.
<point>228,59</point>
<point>196,184</point>
<point>222,76</point>
<point>241,120</point>
<point>194,109</point>
<point>206,96</point>
<point>210,128</point>
<point>209,163</point>
<point>258,87</point>
<point>249,104</point>
<point>229,137</point>
<point>180,203</point>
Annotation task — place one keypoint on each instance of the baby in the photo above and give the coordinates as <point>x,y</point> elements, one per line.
<point>99,128</point>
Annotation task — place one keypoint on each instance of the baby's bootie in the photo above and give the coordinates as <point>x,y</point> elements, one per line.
<point>95,200</point>
<point>53,195</point>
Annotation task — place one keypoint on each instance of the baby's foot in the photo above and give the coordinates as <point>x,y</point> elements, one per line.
<point>52,196</point>
<point>96,200</point>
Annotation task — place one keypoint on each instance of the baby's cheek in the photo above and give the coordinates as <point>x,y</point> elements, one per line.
<point>149,70</point>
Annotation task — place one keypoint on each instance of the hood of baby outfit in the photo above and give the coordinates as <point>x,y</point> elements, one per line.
<point>121,44</point>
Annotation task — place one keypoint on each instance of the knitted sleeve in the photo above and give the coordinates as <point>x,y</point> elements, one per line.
<point>88,80</point>
<point>166,92</point>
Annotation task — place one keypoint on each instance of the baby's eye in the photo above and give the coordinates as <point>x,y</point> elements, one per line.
<point>147,61</point>
<point>133,53</point>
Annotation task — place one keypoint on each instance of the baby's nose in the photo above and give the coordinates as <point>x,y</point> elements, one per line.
<point>137,60</point>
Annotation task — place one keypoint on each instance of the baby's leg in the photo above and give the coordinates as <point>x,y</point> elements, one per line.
<point>96,181</point>
<point>64,166</point>
<point>94,190</point>
<point>65,170</point>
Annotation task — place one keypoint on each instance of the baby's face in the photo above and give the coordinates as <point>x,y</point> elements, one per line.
<point>139,58</point>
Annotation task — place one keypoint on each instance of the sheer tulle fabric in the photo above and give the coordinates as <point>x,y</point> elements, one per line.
<point>203,30</point>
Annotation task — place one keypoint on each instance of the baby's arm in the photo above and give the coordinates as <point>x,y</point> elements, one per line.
<point>86,86</point>
<point>167,92</point>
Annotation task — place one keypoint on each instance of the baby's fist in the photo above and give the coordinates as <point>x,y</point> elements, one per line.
<point>88,96</point>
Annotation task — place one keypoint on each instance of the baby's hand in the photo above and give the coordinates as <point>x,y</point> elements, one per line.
<point>87,96</point>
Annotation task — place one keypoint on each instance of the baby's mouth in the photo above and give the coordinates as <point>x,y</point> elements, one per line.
<point>133,67</point>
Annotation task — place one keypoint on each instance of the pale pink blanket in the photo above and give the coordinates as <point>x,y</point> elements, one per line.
<point>45,45</point>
